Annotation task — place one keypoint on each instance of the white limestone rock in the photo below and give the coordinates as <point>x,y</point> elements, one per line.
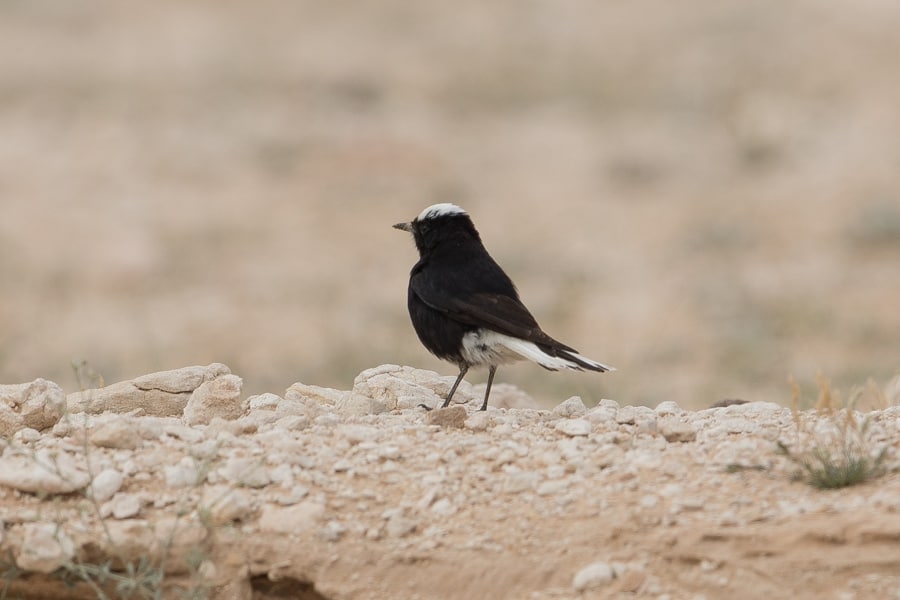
<point>184,380</point>
<point>225,504</point>
<point>45,548</point>
<point>313,394</point>
<point>677,431</point>
<point>105,484</point>
<point>593,576</point>
<point>626,415</point>
<point>162,394</point>
<point>668,408</point>
<point>574,427</point>
<point>356,405</point>
<point>220,397</point>
<point>298,518</point>
<point>396,387</point>
<point>45,472</point>
<point>185,473</point>
<point>116,432</point>
<point>38,405</point>
<point>479,421</point>
<point>27,435</point>
<point>265,401</point>
<point>125,506</point>
<point>123,397</point>
<point>332,531</point>
<point>398,525</point>
<point>248,471</point>
<point>606,411</point>
<point>292,422</point>
<point>10,421</point>
<point>573,407</point>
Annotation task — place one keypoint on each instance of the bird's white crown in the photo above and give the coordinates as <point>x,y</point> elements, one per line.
<point>444,209</point>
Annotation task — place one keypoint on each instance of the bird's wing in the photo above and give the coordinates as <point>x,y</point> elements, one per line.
<point>495,311</point>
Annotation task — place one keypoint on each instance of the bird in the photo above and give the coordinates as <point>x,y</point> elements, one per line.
<point>466,310</point>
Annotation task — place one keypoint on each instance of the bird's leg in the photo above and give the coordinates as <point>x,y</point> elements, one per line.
<point>487,392</point>
<point>462,373</point>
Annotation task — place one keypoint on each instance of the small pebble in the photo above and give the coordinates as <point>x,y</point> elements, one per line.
<point>593,576</point>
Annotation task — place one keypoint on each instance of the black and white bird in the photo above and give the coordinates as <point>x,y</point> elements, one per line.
<point>466,310</point>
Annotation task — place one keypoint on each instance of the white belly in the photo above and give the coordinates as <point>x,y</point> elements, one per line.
<point>485,347</point>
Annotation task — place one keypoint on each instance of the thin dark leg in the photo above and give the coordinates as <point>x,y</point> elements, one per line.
<point>462,373</point>
<point>487,392</point>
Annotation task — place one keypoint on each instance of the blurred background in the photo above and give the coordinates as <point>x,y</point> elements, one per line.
<point>705,194</point>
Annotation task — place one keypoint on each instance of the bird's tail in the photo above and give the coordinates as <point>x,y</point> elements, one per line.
<point>584,362</point>
<point>553,358</point>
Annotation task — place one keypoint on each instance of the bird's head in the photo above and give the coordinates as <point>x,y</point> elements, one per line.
<point>439,224</point>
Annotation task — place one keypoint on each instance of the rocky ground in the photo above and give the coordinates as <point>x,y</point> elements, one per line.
<point>704,194</point>
<point>360,494</point>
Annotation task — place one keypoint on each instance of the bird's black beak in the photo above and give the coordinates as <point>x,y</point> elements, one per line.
<point>403,226</point>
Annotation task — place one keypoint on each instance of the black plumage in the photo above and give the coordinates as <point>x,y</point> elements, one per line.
<point>466,310</point>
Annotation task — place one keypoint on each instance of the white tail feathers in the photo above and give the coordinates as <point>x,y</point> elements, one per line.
<point>486,347</point>
<point>590,363</point>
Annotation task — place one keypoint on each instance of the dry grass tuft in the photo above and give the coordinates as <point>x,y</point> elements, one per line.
<point>836,451</point>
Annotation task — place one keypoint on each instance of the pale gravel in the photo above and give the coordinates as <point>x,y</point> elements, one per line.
<point>413,481</point>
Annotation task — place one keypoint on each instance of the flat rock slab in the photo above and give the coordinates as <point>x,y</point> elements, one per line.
<point>162,394</point>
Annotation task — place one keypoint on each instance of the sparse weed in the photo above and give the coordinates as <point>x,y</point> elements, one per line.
<point>142,580</point>
<point>9,572</point>
<point>838,451</point>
